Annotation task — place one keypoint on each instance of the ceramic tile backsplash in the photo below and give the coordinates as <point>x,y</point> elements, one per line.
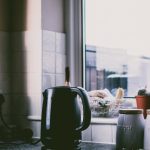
<point>19,83</point>
<point>60,43</point>
<point>48,41</point>
<point>30,63</point>
<point>54,58</point>
<point>26,41</point>
<point>21,104</point>
<point>19,60</point>
<point>60,63</point>
<point>17,41</point>
<point>60,79</point>
<point>4,52</point>
<point>7,104</point>
<point>33,61</point>
<point>4,40</point>
<point>101,133</point>
<point>28,104</point>
<point>5,60</point>
<point>4,63</point>
<point>33,83</point>
<point>36,101</point>
<point>48,62</point>
<point>48,81</point>
<point>26,78</point>
<point>5,81</point>
<point>87,135</point>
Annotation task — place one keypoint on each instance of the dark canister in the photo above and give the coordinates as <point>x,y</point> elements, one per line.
<point>130,129</point>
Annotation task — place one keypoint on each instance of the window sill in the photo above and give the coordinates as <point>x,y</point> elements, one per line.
<point>109,121</point>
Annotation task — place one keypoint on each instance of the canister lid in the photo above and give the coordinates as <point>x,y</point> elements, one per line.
<point>131,111</point>
<point>148,111</point>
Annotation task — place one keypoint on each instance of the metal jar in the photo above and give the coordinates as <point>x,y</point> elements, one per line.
<point>130,129</point>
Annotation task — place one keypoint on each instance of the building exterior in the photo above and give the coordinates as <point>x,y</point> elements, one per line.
<point>113,68</point>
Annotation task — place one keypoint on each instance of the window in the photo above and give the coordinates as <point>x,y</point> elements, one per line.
<point>117,45</point>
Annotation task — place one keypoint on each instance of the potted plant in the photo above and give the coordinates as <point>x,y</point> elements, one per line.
<point>143,100</point>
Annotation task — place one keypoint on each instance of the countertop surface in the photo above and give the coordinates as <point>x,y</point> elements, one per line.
<point>84,146</point>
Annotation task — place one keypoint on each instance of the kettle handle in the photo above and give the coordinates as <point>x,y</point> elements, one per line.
<point>86,108</point>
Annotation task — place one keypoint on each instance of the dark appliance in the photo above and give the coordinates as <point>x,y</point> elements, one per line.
<point>61,123</point>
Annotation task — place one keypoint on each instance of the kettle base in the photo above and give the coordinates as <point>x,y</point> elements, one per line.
<point>75,146</point>
<point>47,148</point>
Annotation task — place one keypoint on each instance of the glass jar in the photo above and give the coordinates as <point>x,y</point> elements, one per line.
<point>130,129</point>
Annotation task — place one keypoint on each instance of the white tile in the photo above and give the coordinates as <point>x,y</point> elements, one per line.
<point>48,42</point>
<point>36,128</point>
<point>48,62</point>
<point>48,80</point>
<point>4,41</point>
<point>35,104</point>
<point>20,120</point>
<point>19,83</point>
<point>26,41</point>
<point>18,41</point>
<point>60,43</point>
<point>20,104</point>
<point>60,79</point>
<point>26,61</point>
<point>34,61</point>
<point>26,83</point>
<point>87,134</point>
<point>19,60</point>
<point>34,83</point>
<point>5,61</point>
<point>28,105</point>
<point>60,63</point>
<point>7,104</point>
<point>101,133</point>
<point>114,129</point>
<point>5,82</point>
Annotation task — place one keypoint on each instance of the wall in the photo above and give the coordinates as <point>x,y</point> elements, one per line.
<point>53,15</point>
<point>5,57</point>
<point>32,57</point>
<point>53,43</point>
<point>26,62</point>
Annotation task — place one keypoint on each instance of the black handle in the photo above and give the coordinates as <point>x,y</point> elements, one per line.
<point>43,115</point>
<point>86,108</point>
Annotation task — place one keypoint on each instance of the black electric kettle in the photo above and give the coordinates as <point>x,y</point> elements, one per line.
<point>61,123</point>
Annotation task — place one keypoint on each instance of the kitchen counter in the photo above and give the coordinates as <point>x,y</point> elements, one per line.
<point>84,146</point>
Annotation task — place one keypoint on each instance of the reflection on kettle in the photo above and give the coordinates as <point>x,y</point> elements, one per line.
<point>61,124</point>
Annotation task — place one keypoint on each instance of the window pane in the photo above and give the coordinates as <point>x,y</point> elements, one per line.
<point>117,45</point>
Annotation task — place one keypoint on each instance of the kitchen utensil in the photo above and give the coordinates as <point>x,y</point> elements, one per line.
<point>130,129</point>
<point>61,124</point>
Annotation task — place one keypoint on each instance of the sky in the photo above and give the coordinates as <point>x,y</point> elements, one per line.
<point>119,24</point>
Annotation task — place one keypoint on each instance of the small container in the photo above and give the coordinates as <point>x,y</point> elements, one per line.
<point>147,131</point>
<point>130,129</point>
<point>143,102</point>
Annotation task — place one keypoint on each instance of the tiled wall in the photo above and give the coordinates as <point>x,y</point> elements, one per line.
<point>31,60</point>
<point>54,59</point>
<point>5,80</point>
<point>26,70</point>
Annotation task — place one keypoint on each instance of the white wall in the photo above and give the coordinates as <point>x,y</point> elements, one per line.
<point>5,57</point>
<point>53,15</point>
<point>32,56</point>
<point>26,66</point>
